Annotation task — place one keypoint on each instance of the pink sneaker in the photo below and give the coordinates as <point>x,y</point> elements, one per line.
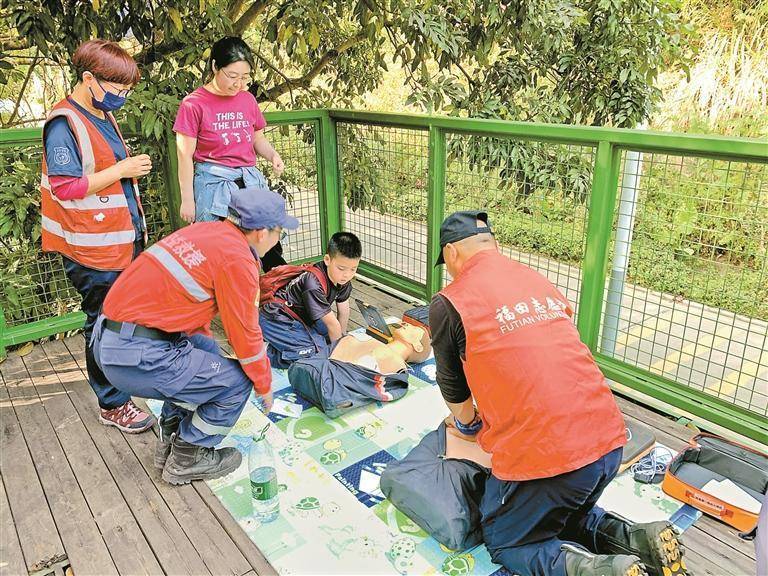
<point>128,418</point>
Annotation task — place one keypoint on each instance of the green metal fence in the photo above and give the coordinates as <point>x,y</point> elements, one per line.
<point>659,240</point>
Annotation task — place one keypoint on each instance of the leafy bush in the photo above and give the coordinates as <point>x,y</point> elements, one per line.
<point>34,285</point>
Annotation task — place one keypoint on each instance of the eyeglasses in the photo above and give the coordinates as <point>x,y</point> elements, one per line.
<point>283,235</point>
<point>124,93</point>
<point>245,78</point>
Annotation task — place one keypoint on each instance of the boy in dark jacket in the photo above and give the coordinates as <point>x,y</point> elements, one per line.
<point>301,322</point>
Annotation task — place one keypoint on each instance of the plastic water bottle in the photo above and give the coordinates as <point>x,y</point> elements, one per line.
<point>264,488</point>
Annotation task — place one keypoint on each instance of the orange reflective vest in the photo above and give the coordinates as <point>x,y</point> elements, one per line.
<point>95,231</point>
<point>546,407</point>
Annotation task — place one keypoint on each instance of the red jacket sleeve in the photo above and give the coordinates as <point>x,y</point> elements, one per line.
<point>237,295</point>
<point>69,187</point>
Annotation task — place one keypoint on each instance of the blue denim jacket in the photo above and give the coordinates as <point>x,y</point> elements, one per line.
<point>214,184</point>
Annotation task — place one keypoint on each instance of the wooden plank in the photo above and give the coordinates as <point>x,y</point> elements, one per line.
<point>11,558</point>
<point>655,420</point>
<point>701,566</point>
<point>126,544</point>
<point>79,533</point>
<point>219,553</point>
<point>167,539</point>
<point>700,545</point>
<point>209,538</point>
<point>728,536</point>
<point>238,535</point>
<point>35,527</point>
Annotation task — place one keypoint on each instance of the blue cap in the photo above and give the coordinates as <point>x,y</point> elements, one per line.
<point>258,207</point>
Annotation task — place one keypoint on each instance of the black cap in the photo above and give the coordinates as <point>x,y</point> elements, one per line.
<point>460,225</point>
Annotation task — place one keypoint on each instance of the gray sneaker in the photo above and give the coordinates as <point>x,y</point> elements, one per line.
<point>189,462</point>
<point>579,562</point>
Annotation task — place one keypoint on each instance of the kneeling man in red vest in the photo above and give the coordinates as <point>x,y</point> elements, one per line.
<point>515,375</point>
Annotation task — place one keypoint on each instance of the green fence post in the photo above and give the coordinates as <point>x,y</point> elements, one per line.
<point>2,332</point>
<point>602,204</point>
<point>435,207</point>
<point>328,166</point>
<point>172,191</point>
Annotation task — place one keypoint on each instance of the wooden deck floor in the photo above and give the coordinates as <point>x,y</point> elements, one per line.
<point>76,493</point>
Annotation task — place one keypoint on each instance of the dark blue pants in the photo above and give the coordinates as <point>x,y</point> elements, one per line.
<point>290,340</point>
<point>525,523</point>
<point>207,391</point>
<point>93,286</point>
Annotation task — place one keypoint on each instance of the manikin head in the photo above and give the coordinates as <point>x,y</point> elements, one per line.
<point>415,339</point>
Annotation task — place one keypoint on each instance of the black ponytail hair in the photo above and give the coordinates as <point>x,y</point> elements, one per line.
<point>229,50</point>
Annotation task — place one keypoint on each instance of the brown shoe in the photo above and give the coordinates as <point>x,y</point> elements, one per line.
<point>128,418</point>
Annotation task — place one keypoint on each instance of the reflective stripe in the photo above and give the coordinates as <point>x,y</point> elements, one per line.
<point>255,358</point>
<point>177,271</point>
<point>185,405</point>
<point>92,202</point>
<point>86,148</point>
<point>206,428</point>
<point>88,238</point>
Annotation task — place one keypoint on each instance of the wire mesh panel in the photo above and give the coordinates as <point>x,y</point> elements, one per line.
<point>34,286</point>
<point>383,181</point>
<point>536,195</point>
<point>298,184</point>
<point>154,189</point>
<point>692,304</point>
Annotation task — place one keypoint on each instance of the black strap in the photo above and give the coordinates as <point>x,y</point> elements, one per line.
<point>151,333</point>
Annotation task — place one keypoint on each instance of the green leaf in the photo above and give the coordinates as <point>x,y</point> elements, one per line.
<point>314,38</point>
<point>175,17</point>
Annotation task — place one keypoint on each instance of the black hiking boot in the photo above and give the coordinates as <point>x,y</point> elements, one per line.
<point>655,543</point>
<point>168,428</point>
<point>189,462</point>
<point>579,562</point>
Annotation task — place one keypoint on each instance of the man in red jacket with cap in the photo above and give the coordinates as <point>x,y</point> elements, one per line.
<point>514,373</point>
<point>153,338</point>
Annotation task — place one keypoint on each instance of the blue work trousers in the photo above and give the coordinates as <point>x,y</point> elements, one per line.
<point>525,523</point>
<point>206,390</point>
<point>288,339</point>
<point>93,285</point>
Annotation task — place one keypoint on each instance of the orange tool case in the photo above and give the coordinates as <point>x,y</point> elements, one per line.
<point>711,457</point>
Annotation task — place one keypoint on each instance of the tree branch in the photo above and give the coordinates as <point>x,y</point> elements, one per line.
<point>235,9</point>
<point>9,44</point>
<point>304,81</point>
<point>23,88</point>
<point>275,69</point>
<point>253,12</point>
<point>153,53</point>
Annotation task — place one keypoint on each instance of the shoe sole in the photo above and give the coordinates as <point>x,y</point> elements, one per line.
<point>179,480</point>
<point>125,428</point>
<point>665,549</point>
<point>636,570</point>
<point>668,548</point>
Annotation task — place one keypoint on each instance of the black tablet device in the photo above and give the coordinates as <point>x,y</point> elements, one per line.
<point>377,326</point>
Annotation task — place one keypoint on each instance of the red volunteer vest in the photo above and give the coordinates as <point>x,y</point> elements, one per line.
<point>95,231</point>
<point>546,407</point>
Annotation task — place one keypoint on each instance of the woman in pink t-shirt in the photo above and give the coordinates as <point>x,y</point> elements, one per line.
<point>219,133</point>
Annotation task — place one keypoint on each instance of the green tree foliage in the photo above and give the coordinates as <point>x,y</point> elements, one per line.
<point>569,61</point>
